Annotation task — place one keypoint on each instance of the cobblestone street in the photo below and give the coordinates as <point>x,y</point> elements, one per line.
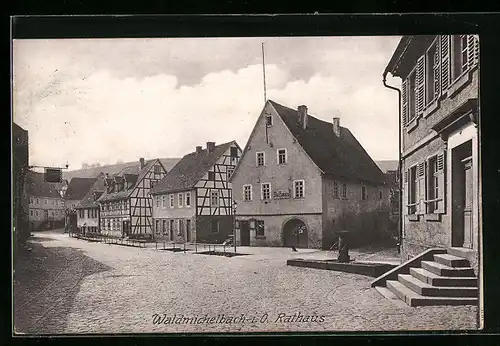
<point>74,286</point>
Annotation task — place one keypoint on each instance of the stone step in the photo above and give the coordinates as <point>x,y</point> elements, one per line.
<point>447,281</point>
<point>460,252</point>
<point>451,261</point>
<point>414,299</point>
<point>444,270</point>
<point>424,289</point>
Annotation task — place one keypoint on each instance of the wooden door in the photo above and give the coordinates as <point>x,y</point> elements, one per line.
<point>245,233</point>
<point>467,211</point>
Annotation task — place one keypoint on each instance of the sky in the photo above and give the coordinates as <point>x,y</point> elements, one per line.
<point>110,100</point>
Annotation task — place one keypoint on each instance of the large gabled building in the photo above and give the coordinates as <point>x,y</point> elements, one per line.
<point>194,201</point>
<point>301,178</point>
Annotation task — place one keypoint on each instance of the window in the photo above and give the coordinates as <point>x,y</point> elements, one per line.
<point>157,226</point>
<point>31,200</point>
<point>459,55</point>
<point>260,228</point>
<point>157,201</point>
<point>164,227</point>
<point>432,73</point>
<point>335,189</point>
<point>412,190</point>
<point>282,156</point>
<point>45,201</point>
<point>260,158</point>
<point>266,191</point>
<point>152,183</point>
<point>247,193</point>
<point>53,202</point>
<point>363,193</point>
<point>230,171</point>
<point>188,199</point>
<point>234,152</point>
<point>163,201</point>
<point>214,198</point>
<point>31,212</point>
<point>37,201</point>
<point>188,230</point>
<point>344,191</point>
<point>432,185</point>
<point>380,194</point>
<point>156,169</point>
<point>171,201</point>
<point>180,200</point>
<point>214,226</point>
<point>298,189</point>
<point>269,120</point>
<point>36,212</point>
<point>211,176</point>
<point>412,93</point>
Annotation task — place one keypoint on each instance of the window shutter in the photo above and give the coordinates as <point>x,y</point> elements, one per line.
<point>476,48</point>
<point>441,175</point>
<point>471,61</point>
<point>420,84</point>
<point>445,61</point>
<point>404,102</point>
<point>405,194</point>
<point>421,188</point>
<point>437,68</point>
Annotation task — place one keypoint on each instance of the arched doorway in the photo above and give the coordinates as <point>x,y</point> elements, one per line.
<point>295,233</point>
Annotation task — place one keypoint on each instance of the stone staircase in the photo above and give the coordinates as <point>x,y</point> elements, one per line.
<point>441,277</point>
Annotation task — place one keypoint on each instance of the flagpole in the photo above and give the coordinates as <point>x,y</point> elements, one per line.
<point>264,72</point>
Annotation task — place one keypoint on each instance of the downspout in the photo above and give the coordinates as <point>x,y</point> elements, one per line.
<point>400,163</point>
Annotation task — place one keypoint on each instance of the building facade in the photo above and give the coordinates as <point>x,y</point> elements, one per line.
<point>46,206</point>
<point>73,192</point>
<point>439,142</point>
<point>126,205</point>
<point>193,203</point>
<point>20,200</point>
<point>88,210</point>
<point>301,178</point>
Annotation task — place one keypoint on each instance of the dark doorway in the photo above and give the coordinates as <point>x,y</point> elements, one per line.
<point>245,233</point>
<point>295,234</point>
<point>462,185</point>
<point>125,228</point>
<point>188,231</point>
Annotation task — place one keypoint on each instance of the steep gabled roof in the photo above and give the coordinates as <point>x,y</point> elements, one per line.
<point>190,169</point>
<point>88,200</point>
<point>337,156</point>
<point>78,187</point>
<point>135,174</point>
<point>37,187</point>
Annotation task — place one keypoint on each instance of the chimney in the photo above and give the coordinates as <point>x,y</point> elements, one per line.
<point>302,114</point>
<point>336,126</point>
<point>210,146</point>
<point>198,149</point>
<point>141,160</point>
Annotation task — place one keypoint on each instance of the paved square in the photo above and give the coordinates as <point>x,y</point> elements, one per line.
<point>101,288</point>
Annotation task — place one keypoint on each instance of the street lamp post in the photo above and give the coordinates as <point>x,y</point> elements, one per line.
<point>235,205</point>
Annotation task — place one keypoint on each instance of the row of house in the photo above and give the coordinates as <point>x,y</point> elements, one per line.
<point>297,180</point>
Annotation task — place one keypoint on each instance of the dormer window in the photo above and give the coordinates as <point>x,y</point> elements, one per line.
<point>156,169</point>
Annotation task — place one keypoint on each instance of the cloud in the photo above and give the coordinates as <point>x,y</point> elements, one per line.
<point>77,111</point>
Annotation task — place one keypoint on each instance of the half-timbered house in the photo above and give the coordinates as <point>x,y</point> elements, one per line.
<point>126,205</point>
<point>194,201</point>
